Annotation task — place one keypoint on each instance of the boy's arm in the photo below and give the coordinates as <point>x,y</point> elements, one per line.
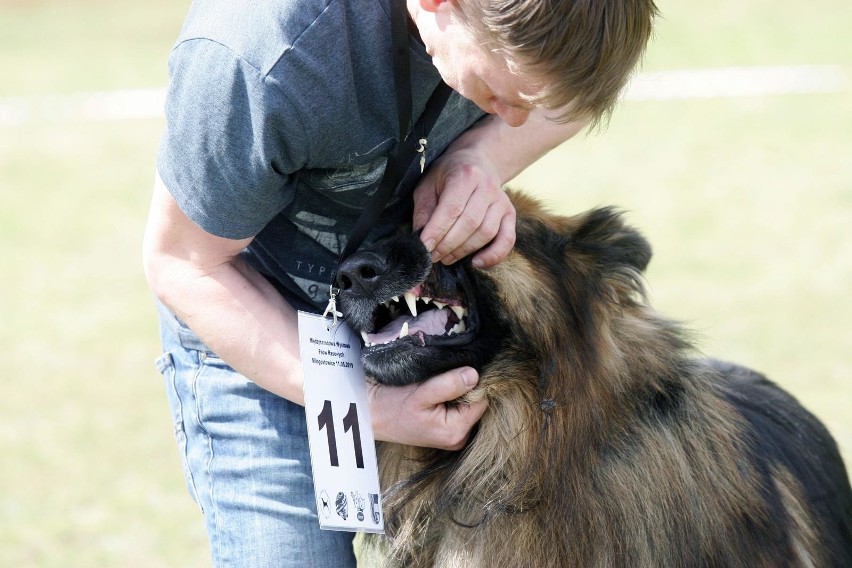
<point>230,306</point>
<point>246,322</point>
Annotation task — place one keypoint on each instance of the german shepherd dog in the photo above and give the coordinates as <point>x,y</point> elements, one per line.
<point>607,441</point>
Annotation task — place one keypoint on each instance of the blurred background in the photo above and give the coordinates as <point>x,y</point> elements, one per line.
<point>732,153</point>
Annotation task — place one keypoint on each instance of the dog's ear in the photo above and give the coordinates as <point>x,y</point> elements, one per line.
<point>604,230</point>
<point>601,230</point>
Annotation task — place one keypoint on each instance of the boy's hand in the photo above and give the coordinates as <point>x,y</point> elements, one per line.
<point>417,415</point>
<point>462,208</point>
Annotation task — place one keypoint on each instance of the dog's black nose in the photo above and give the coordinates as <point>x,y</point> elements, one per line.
<point>361,273</point>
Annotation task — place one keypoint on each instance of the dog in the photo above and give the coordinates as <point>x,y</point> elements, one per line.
<point>608,442</point>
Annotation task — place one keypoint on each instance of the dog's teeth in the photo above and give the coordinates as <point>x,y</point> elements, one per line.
<point>364,337</point>
<point>412,303</point>
<point>459,311</point>
<point>404,331</point>
<point>458,328</point>
<point>462,327</point>
<point>426,299</point>
<point>395,299</point>
<point>440,305</point>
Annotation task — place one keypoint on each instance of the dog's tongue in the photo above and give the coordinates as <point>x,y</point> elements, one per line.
<point>432,322</point>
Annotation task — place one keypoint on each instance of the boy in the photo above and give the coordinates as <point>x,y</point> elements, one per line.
<point>280,120</point>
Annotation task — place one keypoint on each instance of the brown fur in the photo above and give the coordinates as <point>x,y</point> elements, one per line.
<point>607,442</point>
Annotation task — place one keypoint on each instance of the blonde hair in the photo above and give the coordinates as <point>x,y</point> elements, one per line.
<point>582,51</point>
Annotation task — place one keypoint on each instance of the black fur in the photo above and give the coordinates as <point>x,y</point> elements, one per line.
<point>390,268</point>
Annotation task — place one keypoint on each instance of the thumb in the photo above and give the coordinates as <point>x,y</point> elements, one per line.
<point>448,386</point>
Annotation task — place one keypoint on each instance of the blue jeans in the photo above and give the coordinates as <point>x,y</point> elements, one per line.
<point>246,461</point>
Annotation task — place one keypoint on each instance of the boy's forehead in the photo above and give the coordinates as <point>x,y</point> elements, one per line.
<point>531,85</point>
<point>515,78</point>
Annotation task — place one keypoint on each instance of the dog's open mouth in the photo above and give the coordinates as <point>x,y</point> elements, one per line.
<point>416,319</point>
<point>417,315</point>
<point>436,312</point>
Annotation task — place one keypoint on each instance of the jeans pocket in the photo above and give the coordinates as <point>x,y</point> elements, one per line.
<point>210,359</point>
<point>166,367</point>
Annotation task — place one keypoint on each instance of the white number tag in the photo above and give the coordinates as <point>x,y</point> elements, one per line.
<point>340,434</point>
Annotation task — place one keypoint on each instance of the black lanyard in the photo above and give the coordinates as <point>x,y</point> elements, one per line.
<point>402,156</point>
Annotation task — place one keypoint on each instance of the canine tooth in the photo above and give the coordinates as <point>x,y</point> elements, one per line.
<point>462,327</point>
<point>459,311</point>
<point>364,337</point>
<point>441,305</point>
<point>404,331</point>
<point>458,328</point>
<point>412,303</point>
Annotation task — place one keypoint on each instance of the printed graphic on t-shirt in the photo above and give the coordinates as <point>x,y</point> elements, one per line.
<point>317,287</point>
<point>347,185</point>
<point>322,230</point>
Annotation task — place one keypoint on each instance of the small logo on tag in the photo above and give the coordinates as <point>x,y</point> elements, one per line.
<point>359,503</point>
<point>342,506</point>
<point>374,507</point>
<point>325,505</point>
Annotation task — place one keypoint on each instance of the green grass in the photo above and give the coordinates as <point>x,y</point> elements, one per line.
<point>748,203</point>
<point>93,478</point>
<point>49,46</point>
<point>756,32</point>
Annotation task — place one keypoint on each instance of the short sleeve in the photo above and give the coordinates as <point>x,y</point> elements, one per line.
<point>232,141</point>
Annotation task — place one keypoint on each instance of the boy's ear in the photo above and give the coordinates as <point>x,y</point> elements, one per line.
<point>431,5</point>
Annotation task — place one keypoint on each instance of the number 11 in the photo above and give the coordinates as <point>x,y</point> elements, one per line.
<point>350,422</point>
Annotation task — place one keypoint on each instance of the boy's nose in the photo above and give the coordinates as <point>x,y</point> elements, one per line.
<point>511,115</point>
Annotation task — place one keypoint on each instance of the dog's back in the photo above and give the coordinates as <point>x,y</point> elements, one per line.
<point>810,495</point>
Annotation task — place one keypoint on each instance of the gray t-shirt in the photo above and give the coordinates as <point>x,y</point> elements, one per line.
<point>279,119</point>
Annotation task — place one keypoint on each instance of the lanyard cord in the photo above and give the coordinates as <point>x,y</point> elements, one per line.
<point>401,65</point>
<point>397,165</point>
<point>406,151</point>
